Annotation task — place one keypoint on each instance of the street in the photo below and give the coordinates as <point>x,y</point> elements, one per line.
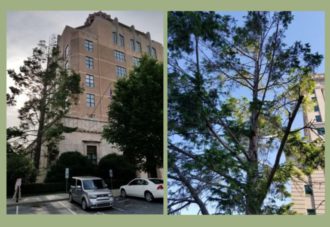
<point>121,206</point>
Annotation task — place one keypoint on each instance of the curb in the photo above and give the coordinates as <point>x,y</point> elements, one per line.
<point>36,202</point>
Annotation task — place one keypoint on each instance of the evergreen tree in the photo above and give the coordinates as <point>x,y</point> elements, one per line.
<point>234,93</point>
<point>50,91</point>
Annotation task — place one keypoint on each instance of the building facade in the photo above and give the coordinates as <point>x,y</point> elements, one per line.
<point>101,51</point>
<point>308,195</point>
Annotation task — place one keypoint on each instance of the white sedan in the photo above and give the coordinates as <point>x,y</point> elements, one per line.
<point>151,188</point>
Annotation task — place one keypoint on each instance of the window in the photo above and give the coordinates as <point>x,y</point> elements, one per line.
<point>153,53</point>
<point>136,61</point>
<point>321,131</point>
<point>90,100</point>
<point>88,45</point>
<point>120,71</point>
<point>134,182</point>
<point>316,108</point>
<point>66,52</point>
<point>132,44</point>
<point>89,80</point>
<point>114,37</point>
<point>121,41</point>
<point>138,47</point>
<point>92,154</point>
<point>149,50</point>
<point>89,63</point>
<point>318,118</point>
<point>311,212</point>
<point>308,189</point>
<point>120,56</point>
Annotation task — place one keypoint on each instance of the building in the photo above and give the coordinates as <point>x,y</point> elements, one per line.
<point>101,51</point>
<point>308,196</point>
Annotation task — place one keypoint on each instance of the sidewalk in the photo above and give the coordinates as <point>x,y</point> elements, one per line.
<point>38,199</point>
<point>46,198</point>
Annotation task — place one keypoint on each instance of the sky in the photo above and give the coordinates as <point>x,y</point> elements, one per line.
<point>26,28</point>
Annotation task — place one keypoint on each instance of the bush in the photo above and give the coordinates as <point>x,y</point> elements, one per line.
<point>123,170</point>
<point>19,166</point>
<point>78,164</point>
<point>39,189</point>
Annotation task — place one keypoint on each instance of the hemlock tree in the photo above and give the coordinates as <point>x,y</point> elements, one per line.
<point>136,116</point>
<point>234,94</point>
<point>50,91</point>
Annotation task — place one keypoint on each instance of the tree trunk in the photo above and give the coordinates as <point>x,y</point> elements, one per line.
<point>37,152</point>
<point>252,203</point>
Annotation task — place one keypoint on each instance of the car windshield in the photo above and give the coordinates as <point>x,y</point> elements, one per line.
<point>156,181</point>
<point>93,184</point>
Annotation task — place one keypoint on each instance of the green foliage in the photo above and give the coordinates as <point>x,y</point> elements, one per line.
<point>19,166</point>
<point>136,116</point>
<point>78,165</point>
<point>123,170</point>
<point>51,90</point>
<point>234,92</point>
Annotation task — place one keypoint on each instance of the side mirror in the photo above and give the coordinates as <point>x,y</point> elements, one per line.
<point>79,187</point>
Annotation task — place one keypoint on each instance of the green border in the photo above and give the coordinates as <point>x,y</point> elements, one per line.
<point>165,113</point>
<point>152,220</point>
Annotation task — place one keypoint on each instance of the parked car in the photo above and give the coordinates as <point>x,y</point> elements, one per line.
<point>90,192</point>
<point>150,189</point>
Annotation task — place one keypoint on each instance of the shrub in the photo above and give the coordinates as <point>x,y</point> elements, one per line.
<point>78,164</point>
<point>123,170</point>
<point>42,188</point>
<point>19,166</point>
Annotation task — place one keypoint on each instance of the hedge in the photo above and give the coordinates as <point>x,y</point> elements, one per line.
<point>38,189</point>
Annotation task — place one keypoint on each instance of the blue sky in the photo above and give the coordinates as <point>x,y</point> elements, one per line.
<point>307,26</point>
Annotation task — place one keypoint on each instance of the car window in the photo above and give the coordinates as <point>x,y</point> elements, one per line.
<point>134,182</point>
<point>144,182</point>
<point>78,182</point>
<point>156,181</point>
<point>93,184</point>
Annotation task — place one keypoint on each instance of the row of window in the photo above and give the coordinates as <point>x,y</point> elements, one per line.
<point>90,99</point>
<point>135,45</point>
<point>120,56</point>
<point>89,79</point>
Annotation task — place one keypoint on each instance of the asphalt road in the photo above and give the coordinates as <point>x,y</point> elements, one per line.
<point>121,206</point>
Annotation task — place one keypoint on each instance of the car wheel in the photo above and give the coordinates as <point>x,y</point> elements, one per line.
<point>148,196</point>
<point>70,198</point>
<point>84,204</point>
<point>123,193</point>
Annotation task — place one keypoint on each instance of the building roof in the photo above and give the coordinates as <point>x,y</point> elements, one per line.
<point>107,17</point>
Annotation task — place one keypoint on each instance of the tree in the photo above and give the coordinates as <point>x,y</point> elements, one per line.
<point>51,90</point>
<point>78,164</point>
<point>234,94</point>
<point>19,166</point>
<point>136,116</point>
<point>123,170</point>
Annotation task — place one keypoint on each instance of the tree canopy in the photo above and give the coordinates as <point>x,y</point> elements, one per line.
<point>136,116</point>
<point>235,91</point>
<point>51,90</point>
